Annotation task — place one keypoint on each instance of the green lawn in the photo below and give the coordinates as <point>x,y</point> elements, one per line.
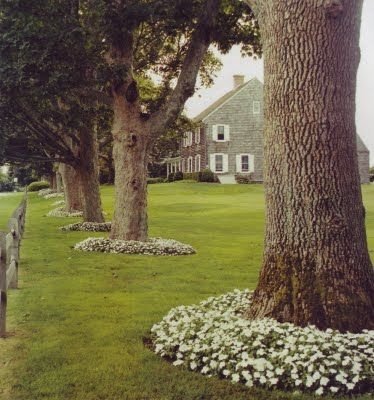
<point>8,203</point>
<point>78,321</point>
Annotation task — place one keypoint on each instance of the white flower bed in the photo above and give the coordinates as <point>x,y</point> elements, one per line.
<point>212,338</point>
<point>153,246</point>
<point>88,227</point>
<point>44,192</point>
<point>59,203</point>
<point>60,212</point>
<point>53,195</point>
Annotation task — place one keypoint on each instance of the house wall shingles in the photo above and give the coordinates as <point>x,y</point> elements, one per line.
<point>363,166</point>
<point>246,133</point>
<point>245,127</point>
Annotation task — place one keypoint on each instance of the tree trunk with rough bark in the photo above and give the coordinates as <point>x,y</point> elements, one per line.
<point>316,267</point>
<point>89,176</point>
<point>130,155</point>
<point>133,132</point>
<point>72,188</point>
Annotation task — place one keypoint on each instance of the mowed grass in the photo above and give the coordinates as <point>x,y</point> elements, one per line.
<point>77,323</point>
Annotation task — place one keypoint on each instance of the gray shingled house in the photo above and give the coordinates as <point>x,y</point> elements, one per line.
<point>229,139</point>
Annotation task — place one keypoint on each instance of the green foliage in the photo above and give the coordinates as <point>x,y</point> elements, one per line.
<point>202,176</point>
<point>178,176</point>
<point>36,186</point>
<point>170,177</point>
<point>150,181</point>
<point>207,176</point>
<point>6,183</point>
<point>244,178</point>
<point>191,176</point>
<point>156,170</point>
<point>58,351</point>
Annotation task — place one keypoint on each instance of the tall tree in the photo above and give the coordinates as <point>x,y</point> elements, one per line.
<point>316,267</point>
<point>44,98</point>
<point>170,39</point>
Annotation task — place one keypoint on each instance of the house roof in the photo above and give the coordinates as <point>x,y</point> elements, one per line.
<point>361,147</point>
<point>221,101</point>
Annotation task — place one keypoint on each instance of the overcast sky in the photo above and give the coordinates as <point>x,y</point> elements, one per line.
<point>233,63</point>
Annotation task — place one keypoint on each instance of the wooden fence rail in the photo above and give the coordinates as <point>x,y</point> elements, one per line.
<point>9,259</point>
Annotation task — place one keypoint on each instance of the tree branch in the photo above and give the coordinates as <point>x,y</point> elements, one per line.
<point>200,41</point>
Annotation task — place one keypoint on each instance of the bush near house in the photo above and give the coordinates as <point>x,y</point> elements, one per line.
<point>244,178</point>
<point>36,186</point>
<point>150,181</point>
<point>191,176</point>
<point>203,176</point>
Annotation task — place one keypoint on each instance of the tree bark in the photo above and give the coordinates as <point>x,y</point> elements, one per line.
<point>72,188</point>
<point>130,154</point>
<point>316,267</point>
<point>87,169</point>
<point>133,133</point>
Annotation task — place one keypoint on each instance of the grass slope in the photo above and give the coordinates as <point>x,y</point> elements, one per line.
<point>78,321</point>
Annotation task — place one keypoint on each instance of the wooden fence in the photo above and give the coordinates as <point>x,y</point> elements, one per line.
<point>9,259</point>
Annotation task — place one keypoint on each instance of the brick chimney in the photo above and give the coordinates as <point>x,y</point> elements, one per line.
<point>238,80</point>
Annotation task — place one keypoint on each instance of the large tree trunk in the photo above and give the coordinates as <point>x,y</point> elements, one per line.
<point>89,176</point>
<point>72,188</point>
<point>133,132</point>
<point>316,267</point>
<point>130,154</point>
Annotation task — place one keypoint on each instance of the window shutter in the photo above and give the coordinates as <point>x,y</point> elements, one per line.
<point>227,133</point>
<point>225,163</point>
<point>212,162</point>
<point>214,132</point>
<point>238,163</point>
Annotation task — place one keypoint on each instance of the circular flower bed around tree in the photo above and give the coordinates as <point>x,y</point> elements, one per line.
<point>59,203</point>
<point>153,246</point>
<point>53,195</point>
<point>60,212</point>
<point>212,338</point>
<point>88,227</point>
<point>44,192</point>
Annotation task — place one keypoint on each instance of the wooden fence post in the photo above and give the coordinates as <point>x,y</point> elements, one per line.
<point>3,286</point>
<point>9,259</point>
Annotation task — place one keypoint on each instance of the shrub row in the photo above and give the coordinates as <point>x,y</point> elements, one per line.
<point>203,176</point>
<point>36,186</point>
<point>244,178</point>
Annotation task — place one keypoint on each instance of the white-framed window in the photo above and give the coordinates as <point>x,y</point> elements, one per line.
<point>219,162</point>
<point>221,133</point>
<point>197,163</point>
<point>256,107</point>
<point>187,139</point>
<point>244,163</point>
<point>197,135</point>
<point>190,164</point>
<point>190,138</point>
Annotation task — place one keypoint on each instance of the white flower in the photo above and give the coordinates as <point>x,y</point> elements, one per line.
<point>324,381</point>
<point>319,391</point>
<point>178,362</point>
<point>350,386</point>
<point>193,365</point>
